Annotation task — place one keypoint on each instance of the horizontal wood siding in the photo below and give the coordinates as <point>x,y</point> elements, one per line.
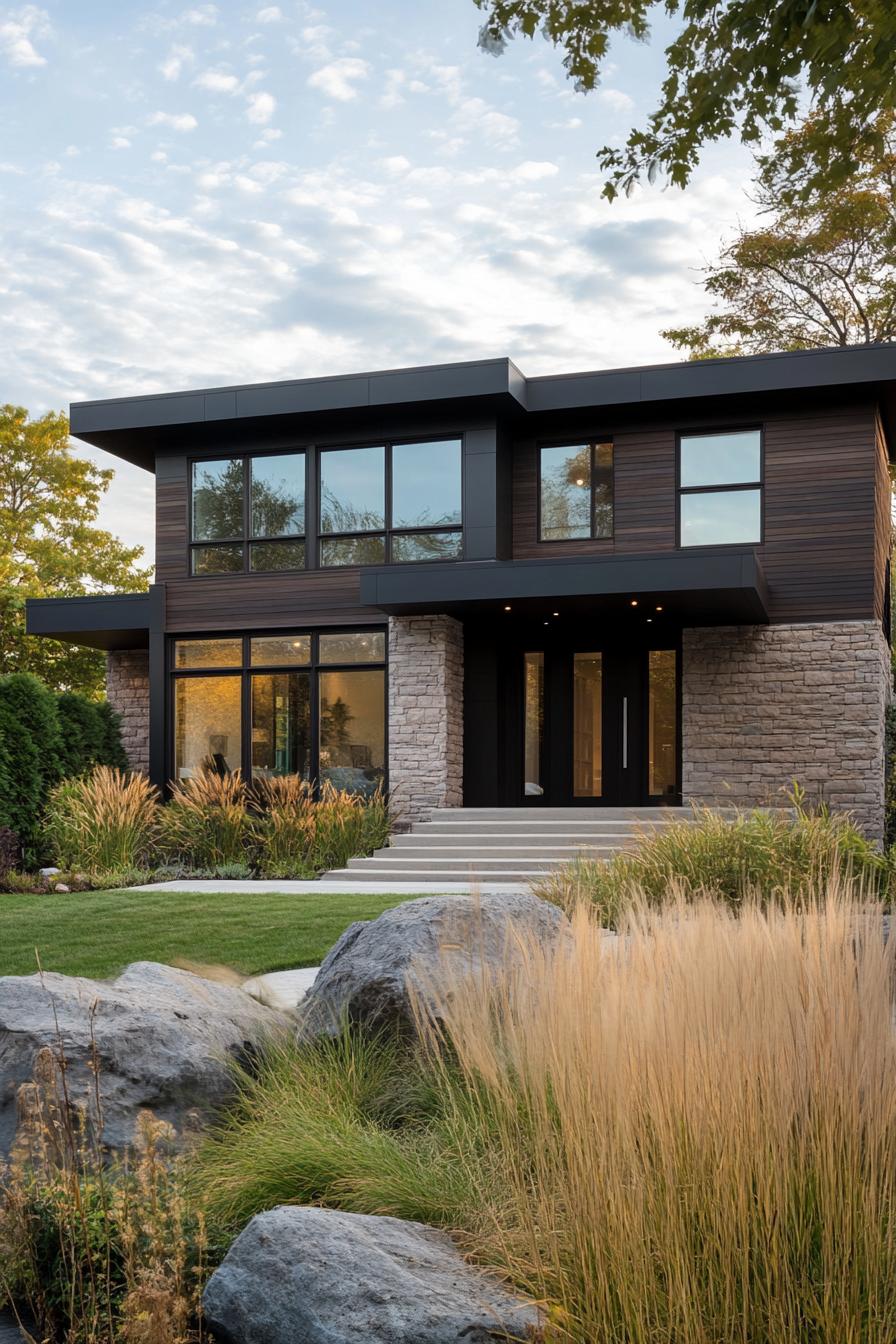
<point>823,510</point>
<point>171,518</point>
<point>818,553</point>
<point>262,601</point>
<point>883,525</point>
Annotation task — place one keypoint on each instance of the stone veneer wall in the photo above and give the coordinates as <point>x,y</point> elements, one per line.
<point>426,714</point>
<point>764,705</point>
<point>127,690</point>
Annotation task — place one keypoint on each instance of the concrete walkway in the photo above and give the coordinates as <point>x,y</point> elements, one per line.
<point>280,989</point>
<point>341,888</point>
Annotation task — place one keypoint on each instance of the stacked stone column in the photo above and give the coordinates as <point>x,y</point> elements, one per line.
<point>426,713</point>
<point>127,690</point>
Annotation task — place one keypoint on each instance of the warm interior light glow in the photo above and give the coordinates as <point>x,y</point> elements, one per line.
<point>506,608</point>
<point>555,613</point>
<point>659,608</point>
<point>634,601</point>
<point>579,481</point>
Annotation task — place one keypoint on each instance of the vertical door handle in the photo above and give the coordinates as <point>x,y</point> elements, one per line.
<point>625,732</point>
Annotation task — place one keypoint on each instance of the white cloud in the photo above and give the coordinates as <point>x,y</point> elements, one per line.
<point>217,81</point>
<point>120,142</point>
<point>533,171</point>
<point>174,62</point>
<point>177,121</point>
<point>339,78</point>
<point>16,32</point>
<point>201,16</point>
<point>260,107</point>
<point>396,164</point>
<point>478,119</point>
<point>615,99</point>
<point>270,14</point>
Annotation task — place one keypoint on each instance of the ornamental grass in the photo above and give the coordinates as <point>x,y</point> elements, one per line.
<point>683,1134</point>
<point>103,821</point>
<point>206,821</point>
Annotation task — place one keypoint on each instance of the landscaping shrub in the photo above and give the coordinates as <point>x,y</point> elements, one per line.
<point>771,853</point>
<point>112,751</point>
<point>298,835</point>
<point>83,734</point>
<point>34,706</point>
<point>686,1134</point>
<point>103,821</point>
<point>10,852</point>
<point>206,822</point>
<point>21,790</point>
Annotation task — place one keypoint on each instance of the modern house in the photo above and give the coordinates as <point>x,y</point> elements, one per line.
<point>632,587</point>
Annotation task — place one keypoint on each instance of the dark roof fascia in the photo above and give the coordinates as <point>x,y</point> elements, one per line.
<point>724,585</point>
<point>134,427</point>
<point>105,621</point>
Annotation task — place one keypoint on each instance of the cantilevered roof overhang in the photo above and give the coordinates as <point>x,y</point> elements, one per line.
<point>107,621</point>
<point>135,428</point>
<point>726,587</point>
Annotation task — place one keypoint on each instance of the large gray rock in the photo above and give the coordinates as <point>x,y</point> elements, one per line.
<point>428,947</point>
<point>163,1040</point>
<point>318,1276</point>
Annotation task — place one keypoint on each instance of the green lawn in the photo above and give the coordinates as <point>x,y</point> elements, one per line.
<point>97,933</point>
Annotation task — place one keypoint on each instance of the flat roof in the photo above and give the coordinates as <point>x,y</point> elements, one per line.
<point>133,428</point>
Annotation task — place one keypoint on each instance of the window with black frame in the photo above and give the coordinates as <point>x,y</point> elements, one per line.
<point>391,502</point>
<point>294,703</point>
<point>720,488</point>
<point>575,492</point>
<point>248,514</point>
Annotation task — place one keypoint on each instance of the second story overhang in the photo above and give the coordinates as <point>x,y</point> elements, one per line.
<point>725,587</point>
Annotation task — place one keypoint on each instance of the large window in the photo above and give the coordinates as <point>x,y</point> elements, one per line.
<point>248,513</point>
<point>720,488</point>
<point>390,502</point>
<point>295,703</point>
<point>575,492</point>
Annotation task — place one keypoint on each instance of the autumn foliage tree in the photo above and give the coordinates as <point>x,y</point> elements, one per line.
<point>50,545</point>
<point>820,268</point>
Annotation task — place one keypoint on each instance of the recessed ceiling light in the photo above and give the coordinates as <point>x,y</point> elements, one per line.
<point>555,613</point>
<point>506,608</point>
<point>650,620</point>
<point>547,622</point>
<point>580,481</point>
<point>659,608</point>
<point>634,601</point>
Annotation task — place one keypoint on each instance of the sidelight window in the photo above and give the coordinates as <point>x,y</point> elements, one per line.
<point>391,502</point>
<point>720,488</point>
<point>248,513</point>
<point>575,492</point>
<point>293,703</point>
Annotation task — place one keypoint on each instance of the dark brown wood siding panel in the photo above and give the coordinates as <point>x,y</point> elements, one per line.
<point>644,471</point>
<point>171,518</point>
<point>262,601</point>
<point>883,525</point>
<point>819,515</point>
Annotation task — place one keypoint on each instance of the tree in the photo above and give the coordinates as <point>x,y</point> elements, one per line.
<point>743,67</point>
<point>50,546</point>
<point>821,268</point>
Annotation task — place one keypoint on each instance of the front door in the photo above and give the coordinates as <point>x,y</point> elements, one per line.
<point>599,726</point>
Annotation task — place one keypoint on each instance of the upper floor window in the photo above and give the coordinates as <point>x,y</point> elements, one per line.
<point>575,492</point>
<point>390,502</point>
<point>248,513</point>
<point>720,488</point>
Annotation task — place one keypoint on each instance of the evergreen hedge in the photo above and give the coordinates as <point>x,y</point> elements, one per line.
<point>45,738</point>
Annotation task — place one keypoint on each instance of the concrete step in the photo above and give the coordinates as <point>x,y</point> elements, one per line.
<point>463,866</point>
<point>511,876</point>
<point>511,839</point>
<point>473,852</point>
<point>460,815</point>
<point>545,828</point>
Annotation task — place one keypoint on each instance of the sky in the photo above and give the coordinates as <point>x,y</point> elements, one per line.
<point>197,195</point>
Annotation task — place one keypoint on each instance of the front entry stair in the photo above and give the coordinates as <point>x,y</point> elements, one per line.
<point>507,844</point>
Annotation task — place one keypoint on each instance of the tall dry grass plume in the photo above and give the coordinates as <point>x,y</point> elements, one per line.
<point>687,1134</point>
<point>206,821</point>
<point>102,821</point>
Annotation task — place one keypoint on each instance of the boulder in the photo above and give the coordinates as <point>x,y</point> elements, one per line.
<point>163,1041</point>
<point>423,946</point>
<point>319,1276</point>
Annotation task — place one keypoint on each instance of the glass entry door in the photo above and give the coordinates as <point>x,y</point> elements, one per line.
<point>600,726</point>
